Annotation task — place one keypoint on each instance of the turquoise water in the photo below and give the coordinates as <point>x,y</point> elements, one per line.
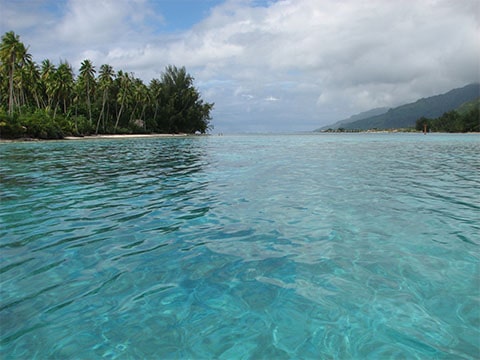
<point>241,247</point>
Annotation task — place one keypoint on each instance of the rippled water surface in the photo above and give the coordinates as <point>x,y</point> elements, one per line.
<point>241,247</point>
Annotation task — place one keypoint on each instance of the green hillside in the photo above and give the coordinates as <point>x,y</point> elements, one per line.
<point>468,106</point>
<point>360,116</point>
<point>466,118</point>
<point>406,115</point>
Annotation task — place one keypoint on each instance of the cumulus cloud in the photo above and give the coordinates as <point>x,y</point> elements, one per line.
<point>339,58</point>
<point>281,65</point>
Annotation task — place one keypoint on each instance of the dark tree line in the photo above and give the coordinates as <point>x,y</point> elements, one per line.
<point>452,122</point>
<point>50,101</point>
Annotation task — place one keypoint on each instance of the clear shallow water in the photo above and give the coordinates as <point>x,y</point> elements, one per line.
<point>239,247</point>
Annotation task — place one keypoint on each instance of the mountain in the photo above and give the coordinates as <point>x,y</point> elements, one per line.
<point>360,116</point>
<point>405,116</point>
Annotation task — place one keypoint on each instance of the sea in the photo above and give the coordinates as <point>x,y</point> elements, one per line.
<point>283,246</point>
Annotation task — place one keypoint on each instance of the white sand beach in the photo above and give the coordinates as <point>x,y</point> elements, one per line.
<point>122,136</point>
<point>93,137</point>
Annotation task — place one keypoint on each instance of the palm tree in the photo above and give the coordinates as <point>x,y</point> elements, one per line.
<point>87,83</point>
<point>20,83</point>
<point>124,91</point>
<point>13,55</point>
<point>64,84</point>
<point>33,79</point>
<point>47,75</point>
<point>139,97</point>
<point>105,82</point>
<point>155,89</point>
<point>170,104</point>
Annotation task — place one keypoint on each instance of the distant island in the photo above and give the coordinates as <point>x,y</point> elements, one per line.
<point>454,111</point>
<point>48,101</point>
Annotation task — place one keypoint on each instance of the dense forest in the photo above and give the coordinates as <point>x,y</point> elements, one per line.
<point>49,101</point>
<point>466,118</point>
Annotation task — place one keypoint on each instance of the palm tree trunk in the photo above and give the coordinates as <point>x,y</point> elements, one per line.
<point>101,112</point>
<point>55,110</point>
<point>132,117</point>
<point>89,106</point>
<point>106,118</point>
<point>118,117</point>
<point>10,84</point>
<point>155,113</point>
<point>142,115</point>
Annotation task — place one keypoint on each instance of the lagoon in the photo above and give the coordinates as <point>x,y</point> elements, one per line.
<point>308,246</point>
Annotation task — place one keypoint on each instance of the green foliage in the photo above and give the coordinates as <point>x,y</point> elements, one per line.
<point>453,121</point>
<point>80,125</point>
<point>40,125</point>
<point>10,127</point>
<point>47,101</point>
<point>183,109</point>
<point>469,106</point>
<point>423,123</point>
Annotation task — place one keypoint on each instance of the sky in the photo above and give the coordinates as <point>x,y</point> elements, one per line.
<point>269,66</point>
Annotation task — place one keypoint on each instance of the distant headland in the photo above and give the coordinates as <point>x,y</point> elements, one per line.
<point>454,111</point>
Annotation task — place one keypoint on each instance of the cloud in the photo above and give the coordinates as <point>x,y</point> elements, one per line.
<point>23,15</point>
<point>271,98</point>
<point>324,59</point>
<point>339,58</point>
<point>100,22</point>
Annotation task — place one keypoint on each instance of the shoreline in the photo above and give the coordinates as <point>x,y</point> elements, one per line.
<point>123,136</point>
<point>133,136</point>
<point>99,137</point>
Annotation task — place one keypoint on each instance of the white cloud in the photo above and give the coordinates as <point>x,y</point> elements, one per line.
<point>100,22</point>
<point>355,55</point>
<point>271,98</point>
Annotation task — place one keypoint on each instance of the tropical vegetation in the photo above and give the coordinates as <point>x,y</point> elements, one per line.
<point>50,101</point>
<point>466,118</point>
